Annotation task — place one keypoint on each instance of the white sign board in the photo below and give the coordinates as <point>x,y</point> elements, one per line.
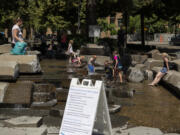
<point>94,31</point>
<point>82,107</point>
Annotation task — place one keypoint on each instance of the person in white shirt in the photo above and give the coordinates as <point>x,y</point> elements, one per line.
<point>70,51</point>
<point>16,32</point>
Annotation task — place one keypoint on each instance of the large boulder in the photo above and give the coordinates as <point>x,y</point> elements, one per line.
<point>27,63</point>
<point>9,70</point>
<point>6,48</point>
<point>171,79</point>
<point>139,59</point>
<point>158,56</point>
<point>135,74</point>
<point>93,49</point>
<point>142,67</point>
<point>153,52</point>
<point>150,63</point>
<point>99,59</point>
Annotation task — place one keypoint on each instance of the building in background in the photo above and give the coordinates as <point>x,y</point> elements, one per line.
<point>117,20</point>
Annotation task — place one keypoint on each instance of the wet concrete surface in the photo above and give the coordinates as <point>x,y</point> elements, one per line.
<point>149,106</point>
<point>152,107</point>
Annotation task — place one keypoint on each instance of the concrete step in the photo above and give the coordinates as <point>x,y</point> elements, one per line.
<point>19,93</point>
<point>25,121</point>
<point>9,70</point>
<point>23,131</point>
<point>171,79</point>
<point>27,63</point>
<point>44,105</point>
<point>6,48</point>
<point>3,88</point>
<point>43,96</point>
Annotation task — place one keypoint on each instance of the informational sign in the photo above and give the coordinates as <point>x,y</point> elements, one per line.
<point>84,104</point>
<point>94,31</point>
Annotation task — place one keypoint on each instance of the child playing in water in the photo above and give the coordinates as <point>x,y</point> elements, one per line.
<point>117,66</point>
<point>78,60</point>
<point>108,70</point>
<point>70,51</point>
<point>91,63</point>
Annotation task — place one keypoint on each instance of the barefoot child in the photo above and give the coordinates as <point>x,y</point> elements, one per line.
<point>91,63</point>
<point>108,70</point>
<point>117,66</point>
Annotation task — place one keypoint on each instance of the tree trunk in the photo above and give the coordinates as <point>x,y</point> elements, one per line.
<point>142,29</point>
<point>126,25</point>
<point>91,14</point>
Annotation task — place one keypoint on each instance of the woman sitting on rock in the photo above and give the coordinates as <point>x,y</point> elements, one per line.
<point>163,71</point>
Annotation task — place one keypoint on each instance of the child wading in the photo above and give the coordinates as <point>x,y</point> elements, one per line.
<point>91,63</point>
<point>108,70</point>
<point>117,66</point>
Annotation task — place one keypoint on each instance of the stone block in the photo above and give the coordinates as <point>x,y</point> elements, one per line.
<point>23,131</point>
<point>42,96</point>
<point>53,130</point>
<point>3,88</point>
<point>171,134</point>
<point>6,48</point>
<point>44,105</point>
<point>25,121</point>
<point>33,52</point>
<point>158,56</point>
<point>61,94</point>
<point>114,109</point>
<point>42,87</point>
<point>19,93</point>
<point>99,69</point>
<point>153,52</point>
<point>27,63</point>
<point>142,67</point>
<point>140,59</point>
<point>135,75</point>
<point>99,59</point>
<point>150,63</point>
<point>171,79</point>
<point>142,131</point>
<point>93,49</point>
<point>9,70</point>
<point>177,64</point>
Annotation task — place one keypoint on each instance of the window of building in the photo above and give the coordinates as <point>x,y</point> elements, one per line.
<point>112,20</point>
<point>120,21</point>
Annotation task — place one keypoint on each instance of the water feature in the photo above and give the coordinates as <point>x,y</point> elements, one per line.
<point>142,105</point>
<point>147,106</point>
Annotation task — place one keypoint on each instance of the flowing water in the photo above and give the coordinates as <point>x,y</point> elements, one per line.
<point>150,106</point>
<point>142,105</point>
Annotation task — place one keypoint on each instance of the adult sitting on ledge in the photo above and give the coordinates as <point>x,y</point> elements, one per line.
<point>162,72</point>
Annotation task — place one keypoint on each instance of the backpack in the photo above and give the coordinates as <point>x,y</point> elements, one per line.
<point>19,48</point>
